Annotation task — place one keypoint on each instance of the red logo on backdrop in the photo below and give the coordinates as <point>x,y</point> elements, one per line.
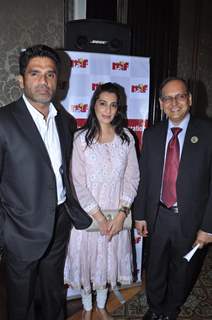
<point>80,122</point>
<point>139,88</point>
<point>94,86</point>
<point>79,63</point>
<point>121,65</point>
<point>80,107</point>
<point>138,126</point>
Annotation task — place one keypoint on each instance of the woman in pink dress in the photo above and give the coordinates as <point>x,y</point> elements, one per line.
<point>105,175</point>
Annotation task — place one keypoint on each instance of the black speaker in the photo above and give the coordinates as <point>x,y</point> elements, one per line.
<point>92,35</point>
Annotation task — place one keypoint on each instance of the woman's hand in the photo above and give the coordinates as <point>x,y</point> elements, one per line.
<point>102,222</point>
<point>103,226</point>
<point>116,225</point>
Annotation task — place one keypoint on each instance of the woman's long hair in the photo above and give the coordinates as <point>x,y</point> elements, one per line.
<point>92,126</point>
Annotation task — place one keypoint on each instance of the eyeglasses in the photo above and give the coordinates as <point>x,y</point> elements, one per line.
<point>180,97</point>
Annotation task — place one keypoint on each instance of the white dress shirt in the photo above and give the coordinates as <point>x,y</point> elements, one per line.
<point>48,131</point>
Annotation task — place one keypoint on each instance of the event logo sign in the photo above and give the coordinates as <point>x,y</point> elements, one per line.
<point>88,70</point>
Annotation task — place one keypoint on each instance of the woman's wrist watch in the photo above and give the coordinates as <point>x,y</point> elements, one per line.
<point>125,210</point>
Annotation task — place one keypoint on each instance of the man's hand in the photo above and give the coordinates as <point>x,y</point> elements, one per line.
<point>141,227</point>
<point>202,238</point>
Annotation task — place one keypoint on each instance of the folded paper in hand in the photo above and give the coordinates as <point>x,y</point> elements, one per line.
<point>110,215</point>
<point>190,254</point>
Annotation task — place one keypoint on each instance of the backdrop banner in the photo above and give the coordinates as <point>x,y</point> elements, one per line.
<point>88,70</point>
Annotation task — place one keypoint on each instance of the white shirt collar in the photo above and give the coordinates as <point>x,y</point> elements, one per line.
<point>36,114</point>
<point>183,124</point>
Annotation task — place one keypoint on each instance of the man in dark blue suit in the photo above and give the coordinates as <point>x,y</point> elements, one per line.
<point>37,207</point>
<point>172,229</point>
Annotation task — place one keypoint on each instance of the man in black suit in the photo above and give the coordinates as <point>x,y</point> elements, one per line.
<point>37,208</point>
<point>173,226</point>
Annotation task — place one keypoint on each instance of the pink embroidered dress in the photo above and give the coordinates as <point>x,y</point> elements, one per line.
<point>105,176</point>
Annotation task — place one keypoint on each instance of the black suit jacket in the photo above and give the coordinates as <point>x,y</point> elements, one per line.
<point>28,192</point>
<point>194,182</point>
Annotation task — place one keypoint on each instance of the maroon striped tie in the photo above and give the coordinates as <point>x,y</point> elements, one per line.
<point>169,194</point>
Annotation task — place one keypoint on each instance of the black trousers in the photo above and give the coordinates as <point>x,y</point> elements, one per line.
<point>169,277</point>
<point>41,280</point>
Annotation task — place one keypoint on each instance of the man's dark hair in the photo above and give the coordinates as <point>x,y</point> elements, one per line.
<point>172,79</point>
<point>39,50</point>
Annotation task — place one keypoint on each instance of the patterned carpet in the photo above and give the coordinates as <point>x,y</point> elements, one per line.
<point>197,307</point>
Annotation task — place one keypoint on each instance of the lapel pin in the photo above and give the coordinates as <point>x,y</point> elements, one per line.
<point>194,139</point>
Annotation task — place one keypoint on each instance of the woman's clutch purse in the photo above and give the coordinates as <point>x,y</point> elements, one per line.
<point>110,215</point>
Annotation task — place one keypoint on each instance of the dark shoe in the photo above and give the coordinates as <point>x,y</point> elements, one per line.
<point>149,315</point>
